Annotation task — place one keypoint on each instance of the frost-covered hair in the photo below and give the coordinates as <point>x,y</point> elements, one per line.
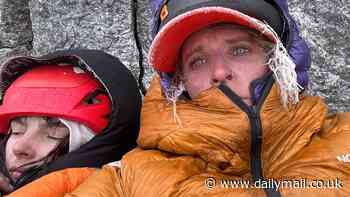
<point>283,68</point>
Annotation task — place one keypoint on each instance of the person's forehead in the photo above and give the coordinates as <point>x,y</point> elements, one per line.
<point>227,26</point>
<point>42,120</point>
<point>227,32</point>
<point>223,29</point>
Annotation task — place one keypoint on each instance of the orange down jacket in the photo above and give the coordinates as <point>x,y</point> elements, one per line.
<point>55,184</point>
<point>211,154</point>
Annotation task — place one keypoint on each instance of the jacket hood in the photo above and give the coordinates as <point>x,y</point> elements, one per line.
<point>120,134</point>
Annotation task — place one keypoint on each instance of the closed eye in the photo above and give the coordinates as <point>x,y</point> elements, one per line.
<point>17,126</point>
<point>55,138</point>
<point>16,133</point>
<point>57,130</point>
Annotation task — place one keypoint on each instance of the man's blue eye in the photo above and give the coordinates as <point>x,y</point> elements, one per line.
<point>197,63</point>
<point>239,51</point>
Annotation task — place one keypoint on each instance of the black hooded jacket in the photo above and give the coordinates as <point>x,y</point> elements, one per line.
<point>121,133</point>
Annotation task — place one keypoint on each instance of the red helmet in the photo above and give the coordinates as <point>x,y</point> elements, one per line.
<point>56,91</point>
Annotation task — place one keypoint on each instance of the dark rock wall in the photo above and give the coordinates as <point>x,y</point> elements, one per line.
<point>39,26</point>
<point>16,34</point>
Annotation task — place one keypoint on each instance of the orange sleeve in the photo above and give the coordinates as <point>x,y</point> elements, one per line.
<point>55,184</point>
<point>106,182</point>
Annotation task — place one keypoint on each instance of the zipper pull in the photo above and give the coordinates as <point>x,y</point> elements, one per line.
<point>254,112</point>
<point>255,116</point>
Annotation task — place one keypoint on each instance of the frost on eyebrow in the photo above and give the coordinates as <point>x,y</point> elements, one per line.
<point>252,33</point>
<point>18,120</point>
<point>185,56</point>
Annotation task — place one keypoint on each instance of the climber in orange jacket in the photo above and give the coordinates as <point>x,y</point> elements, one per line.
<point>227,115</point>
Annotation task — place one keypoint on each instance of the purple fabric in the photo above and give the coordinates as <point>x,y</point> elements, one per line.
<point>155,4</point>
<point>297,48</point>
<point>155,9</point>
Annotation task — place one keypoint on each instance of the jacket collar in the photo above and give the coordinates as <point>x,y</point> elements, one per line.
<point>218,131</point>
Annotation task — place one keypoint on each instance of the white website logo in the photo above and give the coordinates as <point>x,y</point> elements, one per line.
<point>344,158</point>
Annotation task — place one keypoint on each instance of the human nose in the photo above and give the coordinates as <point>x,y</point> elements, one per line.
<point>24,148</point>
<point>220,71</point>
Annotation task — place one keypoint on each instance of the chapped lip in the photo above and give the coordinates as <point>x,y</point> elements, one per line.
<point>18,169</point>
<point>15,174</point>
<point>24,166</point>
